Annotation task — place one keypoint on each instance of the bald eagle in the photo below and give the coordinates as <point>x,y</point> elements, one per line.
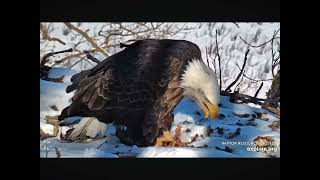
<point>140,86</point>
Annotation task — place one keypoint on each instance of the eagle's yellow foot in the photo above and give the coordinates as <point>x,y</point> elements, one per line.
<point>165,139</point>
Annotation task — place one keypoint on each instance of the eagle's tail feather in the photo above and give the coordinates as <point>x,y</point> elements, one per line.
<point>80,131</point>
<point>87,127</point>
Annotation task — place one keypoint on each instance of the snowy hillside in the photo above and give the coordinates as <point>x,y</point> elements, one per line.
<point>234,134</point>
<point>231,47</point>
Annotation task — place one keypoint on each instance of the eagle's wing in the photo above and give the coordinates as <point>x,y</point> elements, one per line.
<point>159,116</point>
<point>116,82</point>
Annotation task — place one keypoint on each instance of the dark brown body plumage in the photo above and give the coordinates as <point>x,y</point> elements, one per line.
<point>137,88</point>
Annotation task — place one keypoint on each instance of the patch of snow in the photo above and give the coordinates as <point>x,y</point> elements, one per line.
<point>170,152</point>
<point>52,94</point>
<point>97,153</point>
<point>58,72</point>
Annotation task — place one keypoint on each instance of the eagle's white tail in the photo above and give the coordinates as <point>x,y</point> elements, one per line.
<point>88,127</point>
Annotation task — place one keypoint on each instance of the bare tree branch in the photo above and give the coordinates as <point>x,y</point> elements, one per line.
<point>240,73</point>
<point>45,35</point>
<point>219,59</point>
<point>86,36</point>
<point>77,62</point>
<point>69,57</point>
<point>272,56</point>
<point>246,98</point>
<point>236,24</point>
<point>82,53</point>
<point>274,60</point>
<point>257,92</point>
<point>239,82</point>
<point>78,43</point>
<point>102,144</point>
<point>255,46</point>
<point>45,57</point>
<point>132,31</point>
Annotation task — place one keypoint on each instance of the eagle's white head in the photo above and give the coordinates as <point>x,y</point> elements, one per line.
<point>200,84</point>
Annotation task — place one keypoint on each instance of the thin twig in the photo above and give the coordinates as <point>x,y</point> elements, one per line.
<point>76,62</point>
<point>45,35</point>
<point>86,36</point>
<point>82,53</point>
<point>68,57</point>
<point>239,82</point>
<point>236,24</point>
<point>274,61</point>
<point>45,57</point>
<point>132,31</point>
<point>78,43</point>
<point>240,73</point>
<point>246,98</point>
<point>272,56</point>
<point>255,46</point>
<point>102,144</point>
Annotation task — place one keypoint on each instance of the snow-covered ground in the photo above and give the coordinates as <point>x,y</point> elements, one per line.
<point>231,135</point>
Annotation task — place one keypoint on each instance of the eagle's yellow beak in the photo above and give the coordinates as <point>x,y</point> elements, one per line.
<point>211,110</point>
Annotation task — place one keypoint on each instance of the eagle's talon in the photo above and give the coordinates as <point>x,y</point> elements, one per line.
<point>165,139</point>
